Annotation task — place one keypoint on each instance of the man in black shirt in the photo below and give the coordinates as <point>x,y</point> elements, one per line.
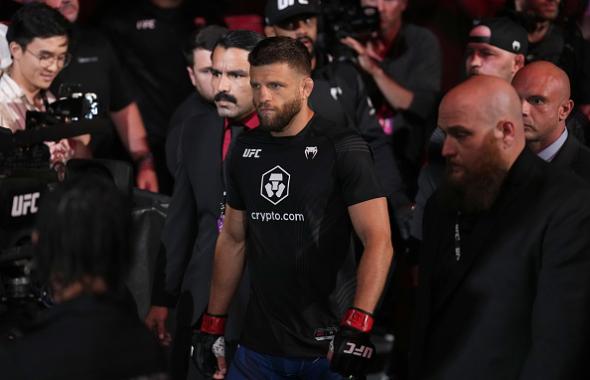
<point>96,69</point>
<point>82,253</point>
<point>147,36</point>
<point>297,187</point>
<point>339,92</point>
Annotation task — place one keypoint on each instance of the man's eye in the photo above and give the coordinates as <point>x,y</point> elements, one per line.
<point>255,86</point>
<point>535,100</point>
<point>274,86</point>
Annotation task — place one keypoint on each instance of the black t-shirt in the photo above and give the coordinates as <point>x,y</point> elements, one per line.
<point>149,42</point>
<point>96,69</point>
<point>295,192</point>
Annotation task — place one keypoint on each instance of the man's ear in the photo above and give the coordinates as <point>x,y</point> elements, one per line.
<point>519,62</point>
<point>307,87</point>
<point>506,131</point>
<point>191,74</point>
<point>269,31</point>
<point>16,51</point>
<point>565,109</point>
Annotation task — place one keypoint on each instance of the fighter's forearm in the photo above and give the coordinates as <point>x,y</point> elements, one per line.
<point>372,273</point>
<point>228,266</point>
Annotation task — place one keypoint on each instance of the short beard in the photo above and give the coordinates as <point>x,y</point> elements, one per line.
<point>480,186</point>
<point>282,119</point>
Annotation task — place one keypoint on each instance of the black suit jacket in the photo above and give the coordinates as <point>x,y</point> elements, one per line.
<point>575,156</point>
<point>517,304</point>
<point>190,232</point>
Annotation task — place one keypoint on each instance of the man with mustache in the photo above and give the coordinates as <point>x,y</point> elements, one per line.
<point>504,289</point>
<point>209,121</point>
<point>339,92</point>
<point>297,186</point>
<point>544,91</point>
<point>38,38</point>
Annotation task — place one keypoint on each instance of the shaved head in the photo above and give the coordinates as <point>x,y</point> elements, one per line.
<point>485,97</point>
<point>544,91</point>
<point>484,135</point>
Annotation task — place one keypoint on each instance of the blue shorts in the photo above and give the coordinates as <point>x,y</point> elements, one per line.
<point>251,365</point>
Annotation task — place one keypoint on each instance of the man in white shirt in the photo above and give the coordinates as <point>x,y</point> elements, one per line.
<point>38,39</point>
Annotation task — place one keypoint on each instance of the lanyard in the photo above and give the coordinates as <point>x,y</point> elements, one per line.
<point>458,237</point>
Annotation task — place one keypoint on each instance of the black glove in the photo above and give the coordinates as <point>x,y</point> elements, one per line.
<point>208,344</point>
<point>352,349</point>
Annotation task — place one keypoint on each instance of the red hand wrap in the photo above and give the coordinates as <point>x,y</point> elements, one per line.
<point>212,324</point>
<point>358,319</point>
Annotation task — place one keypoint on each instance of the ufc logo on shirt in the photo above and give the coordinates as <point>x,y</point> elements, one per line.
<point>249,153</point>
<point>24,204</point>
<point>362,351</point>
<point>282,4</point>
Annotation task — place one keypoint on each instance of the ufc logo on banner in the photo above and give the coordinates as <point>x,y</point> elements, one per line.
<point>24,204</point>
<point>362,351</point>
<point>282,4</point>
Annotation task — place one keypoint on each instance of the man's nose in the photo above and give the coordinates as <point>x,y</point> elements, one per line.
<point>448,148</point>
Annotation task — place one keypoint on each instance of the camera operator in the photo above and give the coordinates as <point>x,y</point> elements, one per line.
<point>38,38</point>
<point>83,253</point>
<point>403,75</point>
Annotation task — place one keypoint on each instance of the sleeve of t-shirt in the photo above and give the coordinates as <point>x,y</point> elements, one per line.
<point>355,170</point>
<point>234,198</point>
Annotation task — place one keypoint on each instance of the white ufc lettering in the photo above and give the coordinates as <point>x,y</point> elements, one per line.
<point>249,153</point>
<point>362,351</point>
<point>24,204</point>
<point>282,4</point>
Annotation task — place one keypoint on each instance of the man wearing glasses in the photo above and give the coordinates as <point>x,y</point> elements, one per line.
<point>38,39</point>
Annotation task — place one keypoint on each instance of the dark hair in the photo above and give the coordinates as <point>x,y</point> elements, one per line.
<point>281,50</point>
<point>205,39</point>
<point>84,229</point>
<point>240,39</point>
<point>36,20</point>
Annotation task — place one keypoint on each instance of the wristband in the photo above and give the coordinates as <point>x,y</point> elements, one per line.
<point>213,324</point>
<point>358,319</point>
<point>145,160</point>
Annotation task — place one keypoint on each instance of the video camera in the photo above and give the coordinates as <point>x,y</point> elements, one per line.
<point>347,18</point>
<point>25,175</point>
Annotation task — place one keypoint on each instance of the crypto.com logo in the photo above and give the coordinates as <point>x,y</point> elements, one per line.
<point>274,185</point>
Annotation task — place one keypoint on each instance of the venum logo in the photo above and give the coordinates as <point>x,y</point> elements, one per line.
<point>251,153</point>
<point>361,350</point>
<point>311,152</point>
<point>24,204</point>
<point>283,4</point>
<point>274,185</point>
<point>515,45</point>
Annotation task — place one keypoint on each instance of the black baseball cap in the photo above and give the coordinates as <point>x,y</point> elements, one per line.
<point>278,11</point>
<point>506,34</point>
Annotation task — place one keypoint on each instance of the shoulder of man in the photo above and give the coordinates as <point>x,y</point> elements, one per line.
<point>344,138</point>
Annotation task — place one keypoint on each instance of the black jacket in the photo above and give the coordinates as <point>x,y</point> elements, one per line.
<point>517,304</point>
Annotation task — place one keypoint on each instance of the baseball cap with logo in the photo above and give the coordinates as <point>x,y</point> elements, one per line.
<point>278,11</point>
<point>505,34</point>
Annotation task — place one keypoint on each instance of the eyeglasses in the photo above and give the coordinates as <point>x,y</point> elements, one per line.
<point>48,59</point>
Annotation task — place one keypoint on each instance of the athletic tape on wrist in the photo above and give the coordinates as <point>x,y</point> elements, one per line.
<point>358,319</point>
<point>213,324</point>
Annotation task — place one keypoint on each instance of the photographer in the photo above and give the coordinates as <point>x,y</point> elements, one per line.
<point>403,75</point>
<point>83,254</point>
<point>38,38</point>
